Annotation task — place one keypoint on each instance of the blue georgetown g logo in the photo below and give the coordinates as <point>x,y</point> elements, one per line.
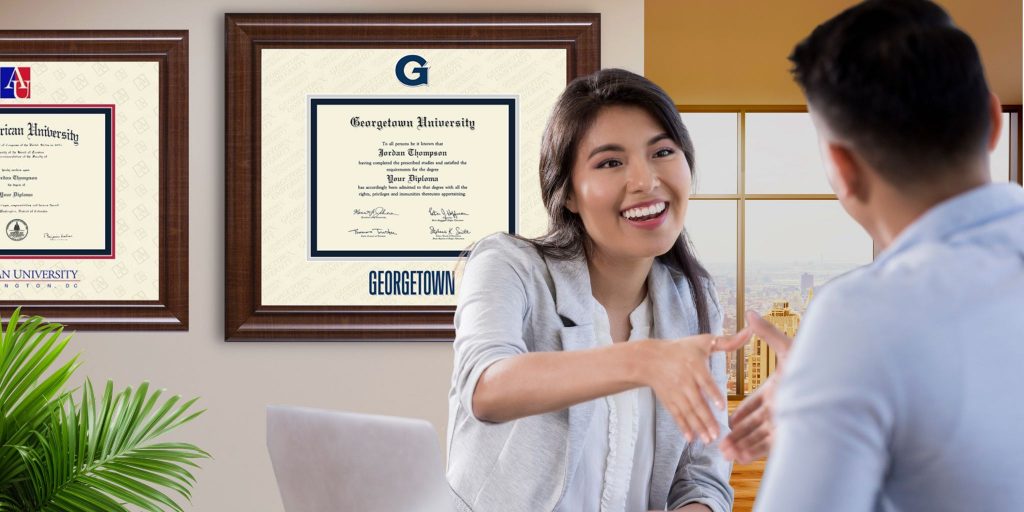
<point>419,73</point>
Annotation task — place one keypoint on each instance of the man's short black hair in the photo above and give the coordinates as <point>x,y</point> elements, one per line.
<point>901,83</point>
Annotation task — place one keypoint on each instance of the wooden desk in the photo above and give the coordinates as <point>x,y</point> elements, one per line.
<point>746,478</point>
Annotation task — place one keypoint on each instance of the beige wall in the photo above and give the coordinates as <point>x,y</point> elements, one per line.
<point>714,52</point>
<point>236,381</point>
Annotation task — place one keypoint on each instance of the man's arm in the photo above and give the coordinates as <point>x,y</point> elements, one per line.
<point>834,414</point>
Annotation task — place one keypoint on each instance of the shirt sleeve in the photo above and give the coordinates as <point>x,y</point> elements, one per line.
<point>835,411</point>
<point>492,306</point>
<point>703,473</point>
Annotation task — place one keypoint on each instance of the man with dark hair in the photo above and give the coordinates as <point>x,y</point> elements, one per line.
<point>901,392</point>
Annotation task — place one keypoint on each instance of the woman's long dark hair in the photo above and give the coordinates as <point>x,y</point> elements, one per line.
<point>572,116</point>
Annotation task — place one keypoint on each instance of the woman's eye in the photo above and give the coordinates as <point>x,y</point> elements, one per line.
<point>661,153</point>
<point>609,163</point>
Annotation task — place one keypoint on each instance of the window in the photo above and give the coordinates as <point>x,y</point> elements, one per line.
<point>765,223</point>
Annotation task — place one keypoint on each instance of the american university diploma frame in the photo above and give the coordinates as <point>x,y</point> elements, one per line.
<point>367,152</point>
<point>56,175</point>
<point>94,177</point>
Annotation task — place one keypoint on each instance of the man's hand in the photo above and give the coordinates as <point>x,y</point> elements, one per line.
<point>751,425</point>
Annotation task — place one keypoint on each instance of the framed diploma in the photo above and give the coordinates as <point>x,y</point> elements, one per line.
<point>428,187</point>
<point>367,152</point>
<point>94,177</point>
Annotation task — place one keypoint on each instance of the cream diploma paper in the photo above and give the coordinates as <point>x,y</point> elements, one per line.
<point>133,88</point>
<point>290,76</point>
<point>409,177</point>
<point>54,173</point>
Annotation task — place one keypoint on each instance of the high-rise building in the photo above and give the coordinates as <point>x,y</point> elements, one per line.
<point>730,369</point>
<point>761,358</point>
<point>806,283</point>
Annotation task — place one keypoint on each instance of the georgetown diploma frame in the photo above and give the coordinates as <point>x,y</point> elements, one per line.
<point>365,153</point>
<point>94,177</point>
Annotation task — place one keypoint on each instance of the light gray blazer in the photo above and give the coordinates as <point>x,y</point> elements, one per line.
<point>512,301</point>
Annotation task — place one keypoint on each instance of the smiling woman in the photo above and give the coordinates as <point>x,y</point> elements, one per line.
<point>631,194</point>
<point>585,359</point>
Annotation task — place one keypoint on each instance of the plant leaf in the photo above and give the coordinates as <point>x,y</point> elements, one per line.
<point>101,445</point>
<point>29,391</point>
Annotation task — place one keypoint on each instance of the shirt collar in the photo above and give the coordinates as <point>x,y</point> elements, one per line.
<point>574,300</point>
<point>960,212</point>
<point>641,316</point>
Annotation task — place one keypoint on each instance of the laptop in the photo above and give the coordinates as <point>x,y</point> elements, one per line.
<point>341,461</point>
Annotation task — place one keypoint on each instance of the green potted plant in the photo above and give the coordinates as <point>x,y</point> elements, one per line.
<point>71,450</point>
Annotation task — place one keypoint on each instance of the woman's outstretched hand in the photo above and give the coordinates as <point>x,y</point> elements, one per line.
<point>677,371</point>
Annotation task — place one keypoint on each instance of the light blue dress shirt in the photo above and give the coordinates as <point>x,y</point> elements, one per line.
<point>903,391</point>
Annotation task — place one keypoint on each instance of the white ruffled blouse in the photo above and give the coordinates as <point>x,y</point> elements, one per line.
<point>614,474</point>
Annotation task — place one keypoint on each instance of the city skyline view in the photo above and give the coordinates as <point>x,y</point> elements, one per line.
<point>765,285</point>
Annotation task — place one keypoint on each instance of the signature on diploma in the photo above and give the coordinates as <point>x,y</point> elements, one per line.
<point>373,213</point>
<point>372,232</point>
<point>448,233</point>
<point>446,215</point>
<point>57,236</point>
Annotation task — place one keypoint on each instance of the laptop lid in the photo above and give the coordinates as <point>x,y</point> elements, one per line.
<point>341,461</point>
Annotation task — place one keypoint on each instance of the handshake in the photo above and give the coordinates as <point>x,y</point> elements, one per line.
<point>686,394</point>
<point>751,425</point>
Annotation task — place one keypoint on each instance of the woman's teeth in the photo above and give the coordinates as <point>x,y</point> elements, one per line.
<point>646,211</point>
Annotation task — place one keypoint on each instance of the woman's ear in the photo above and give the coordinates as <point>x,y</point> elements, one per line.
<point>570,202</point>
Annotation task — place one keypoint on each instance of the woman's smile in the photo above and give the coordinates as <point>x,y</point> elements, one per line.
<point>649,215</point>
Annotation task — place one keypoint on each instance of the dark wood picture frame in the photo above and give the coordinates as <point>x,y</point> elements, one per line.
<point>246,318</point>
<point>168,48</point>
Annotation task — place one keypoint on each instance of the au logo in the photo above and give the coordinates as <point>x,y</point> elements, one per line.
<point>15,82</point>
<point>419,72</point>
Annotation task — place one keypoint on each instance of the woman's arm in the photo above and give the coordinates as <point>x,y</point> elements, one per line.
<point>497,377</point>
<point>541,382</point>
<point>695,507</point>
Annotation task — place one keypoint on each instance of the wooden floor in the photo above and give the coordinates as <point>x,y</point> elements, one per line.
<point>746,478</point>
